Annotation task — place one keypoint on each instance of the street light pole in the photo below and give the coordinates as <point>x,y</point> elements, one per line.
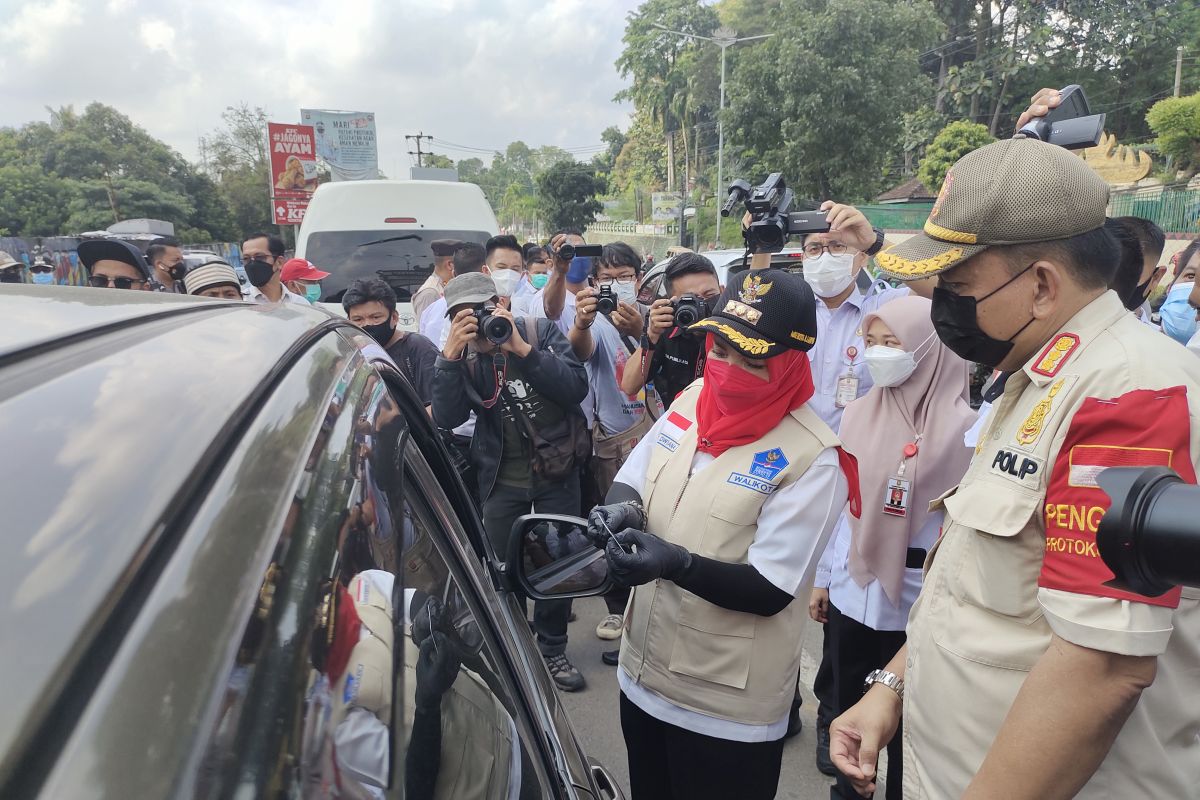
<point>723,38</point>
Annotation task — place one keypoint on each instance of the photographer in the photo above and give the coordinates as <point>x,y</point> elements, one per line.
<point>530,439</point>
<point>1025,674</point>
<point>669,358</point>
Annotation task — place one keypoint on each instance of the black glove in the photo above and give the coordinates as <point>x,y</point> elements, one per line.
<point>618,517</point>
<point>437,667</point>
<point>428,619</point>
<point>655,558</point>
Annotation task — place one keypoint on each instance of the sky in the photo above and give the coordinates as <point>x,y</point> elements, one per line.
<point>476,73</point>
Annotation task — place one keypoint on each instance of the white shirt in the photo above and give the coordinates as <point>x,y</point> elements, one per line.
<point>255,295</point>
<point>868,604</point>
<point>794,524</point>
<point>433,322</point>
<point>839,329</point>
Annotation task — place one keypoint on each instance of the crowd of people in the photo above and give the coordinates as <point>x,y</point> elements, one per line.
<point>784,444</point>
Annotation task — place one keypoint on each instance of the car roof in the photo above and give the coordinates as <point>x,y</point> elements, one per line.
<point>83,500</point>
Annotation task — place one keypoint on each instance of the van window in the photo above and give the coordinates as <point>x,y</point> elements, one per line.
<point>401,257</point>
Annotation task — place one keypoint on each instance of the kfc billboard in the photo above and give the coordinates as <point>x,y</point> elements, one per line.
<point>293,170</point>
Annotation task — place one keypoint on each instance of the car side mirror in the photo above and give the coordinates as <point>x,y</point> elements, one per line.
<point>551,558</point>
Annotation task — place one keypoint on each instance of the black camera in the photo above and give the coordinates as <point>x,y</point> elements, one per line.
<point>690,309</point>
<point>1149,537</point>
<point>569,251</point>
<point>496,330</point>
<point>771,219</point>
<point>1070,124</point>
<point>606,301</point>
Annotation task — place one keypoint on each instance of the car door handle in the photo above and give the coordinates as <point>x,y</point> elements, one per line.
<point>609,788</point>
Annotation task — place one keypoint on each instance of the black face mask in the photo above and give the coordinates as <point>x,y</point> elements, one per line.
<point>178,271</point>
<point>259,272</point>
<point>382,332</point>
<point>957,325</point>
<point>10,276</point>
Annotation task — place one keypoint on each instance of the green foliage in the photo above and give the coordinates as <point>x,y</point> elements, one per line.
<point>823,100</point>
<point>952,143</point>
<point>1176,123</point>
<point>643,160</point>
<point>82,172</point>
<point>566,195</point>
<point>438,161</point>
<point>237,156</point>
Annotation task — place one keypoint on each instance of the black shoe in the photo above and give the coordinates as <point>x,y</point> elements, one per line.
<point>824,762</point>
<point>611,657</point>
<point>795,724</point>
<point>565,676</point>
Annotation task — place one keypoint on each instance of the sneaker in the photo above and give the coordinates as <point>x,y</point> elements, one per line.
<point>611,657</point>
<point>610,627</point>
<point>824,762</point>
<point>565,676</point>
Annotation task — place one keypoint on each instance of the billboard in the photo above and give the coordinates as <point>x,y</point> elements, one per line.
<point>346,142</point>
<point>293,170</point>
<point>664,206</point>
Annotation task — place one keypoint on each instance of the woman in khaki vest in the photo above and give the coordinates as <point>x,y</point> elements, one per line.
<point>718,519</point>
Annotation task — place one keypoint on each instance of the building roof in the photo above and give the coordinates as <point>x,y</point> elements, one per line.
<point>911,191</point>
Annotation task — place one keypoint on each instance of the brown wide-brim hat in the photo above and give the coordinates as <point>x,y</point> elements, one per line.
<point>1016,191</point>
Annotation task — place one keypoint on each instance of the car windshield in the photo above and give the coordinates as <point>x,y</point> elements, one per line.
<point>402,258</point>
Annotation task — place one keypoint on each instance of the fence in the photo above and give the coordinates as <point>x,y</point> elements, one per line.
<point>1174,209</point>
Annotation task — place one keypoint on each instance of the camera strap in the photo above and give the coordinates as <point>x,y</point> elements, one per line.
<point>499,372</point>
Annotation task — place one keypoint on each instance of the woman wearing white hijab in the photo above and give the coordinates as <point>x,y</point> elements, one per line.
<point>907,433</point>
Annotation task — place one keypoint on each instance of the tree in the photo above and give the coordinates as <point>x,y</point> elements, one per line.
<point>567,195</point>
<point>952,143</point>
<point>237,156</point>
<point>1176,123</point>
<point>823,100</point>
<point>438,161</point>
<point>642,161</point>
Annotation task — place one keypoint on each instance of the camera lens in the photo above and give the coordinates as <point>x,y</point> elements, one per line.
<point>566,252</point>
<point>496,330</point>
<point>685,316</point>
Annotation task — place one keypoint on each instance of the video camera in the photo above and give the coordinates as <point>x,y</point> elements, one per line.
<point>1149,537</point>
<point>1071,124</point>
<point>772,220</point>
<point>569,251</point>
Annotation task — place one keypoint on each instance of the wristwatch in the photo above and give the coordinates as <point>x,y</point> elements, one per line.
<point>875,248</point>
<point>888,679</point>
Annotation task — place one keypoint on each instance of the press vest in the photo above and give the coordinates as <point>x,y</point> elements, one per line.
<point>728,664</point>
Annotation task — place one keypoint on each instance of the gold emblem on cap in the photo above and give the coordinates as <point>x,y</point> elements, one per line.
<point>749,346</point>
<point>1031,428</point>
<point>755,288</point>
<point>937,205</point>
<point>743,311</point>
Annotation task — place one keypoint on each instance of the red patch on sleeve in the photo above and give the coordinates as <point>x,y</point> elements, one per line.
<point>679,421</point>
<point>1147,427</point>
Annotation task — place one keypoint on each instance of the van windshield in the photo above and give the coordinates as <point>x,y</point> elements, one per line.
<point>401,257</point>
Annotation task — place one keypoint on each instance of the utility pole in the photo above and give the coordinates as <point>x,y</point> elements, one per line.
<point>1178,68</point>
<point>417,137</point>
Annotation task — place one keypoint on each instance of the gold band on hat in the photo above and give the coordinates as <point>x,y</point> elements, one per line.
<point>896,265</point>
<point>751,347</point>
<point>947,235</point>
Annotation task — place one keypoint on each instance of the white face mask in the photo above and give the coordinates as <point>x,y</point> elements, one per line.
<point>891,366</point>
<point>506,281</point>
<point>829,275</point>
<point>626,291</point>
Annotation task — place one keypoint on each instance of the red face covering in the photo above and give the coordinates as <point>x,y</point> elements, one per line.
<point>737,408</point>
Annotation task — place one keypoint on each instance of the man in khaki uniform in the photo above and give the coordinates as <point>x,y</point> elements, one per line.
<point>1025,675</point>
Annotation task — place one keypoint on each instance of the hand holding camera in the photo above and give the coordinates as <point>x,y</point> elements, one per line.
<point>662,319</point>
<point>586,303</point>
<point>627,319</point>
<point>463,329</point>
<point>851,226</point>
<point>689,309</point>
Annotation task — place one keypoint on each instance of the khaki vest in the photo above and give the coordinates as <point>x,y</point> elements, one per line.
<point>727,664</point>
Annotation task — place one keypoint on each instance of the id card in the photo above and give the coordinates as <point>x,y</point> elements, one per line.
<point>895,497</point>
<point>847,390</point>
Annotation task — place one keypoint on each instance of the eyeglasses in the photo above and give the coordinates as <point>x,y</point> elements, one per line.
<point>41,268</point>
<point>105,282</point>
<point>814,249</point>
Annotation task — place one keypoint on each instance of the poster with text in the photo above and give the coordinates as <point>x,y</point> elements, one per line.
<point>293,170</point>
<point>664,206</point>
<point>346,142</point>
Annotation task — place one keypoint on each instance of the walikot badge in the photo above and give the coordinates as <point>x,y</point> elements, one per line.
<point>768,464</point>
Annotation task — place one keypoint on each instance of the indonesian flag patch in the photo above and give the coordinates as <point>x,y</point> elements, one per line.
<point>673,428</point>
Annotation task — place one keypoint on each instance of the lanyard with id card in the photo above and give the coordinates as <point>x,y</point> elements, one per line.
<point>896,492</point>
<point>847,383</point>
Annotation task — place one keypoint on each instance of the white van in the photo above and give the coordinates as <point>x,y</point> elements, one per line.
<point>367,229</point>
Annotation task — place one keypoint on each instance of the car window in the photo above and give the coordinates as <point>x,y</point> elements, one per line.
<point>364,670</point>
<point>402,258</point>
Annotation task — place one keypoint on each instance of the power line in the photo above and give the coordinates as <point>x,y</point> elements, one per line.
<point>417,137</point>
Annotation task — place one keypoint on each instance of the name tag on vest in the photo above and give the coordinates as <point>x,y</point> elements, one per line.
<point>674,426</point>
<point>750,482</point>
